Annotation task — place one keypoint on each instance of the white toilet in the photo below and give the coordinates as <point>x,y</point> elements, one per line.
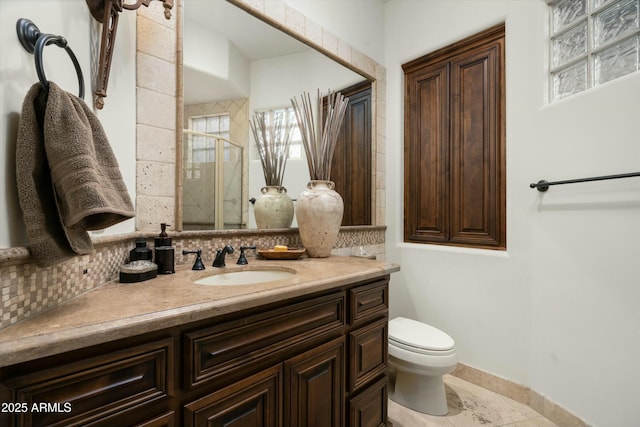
<point>420,355</point>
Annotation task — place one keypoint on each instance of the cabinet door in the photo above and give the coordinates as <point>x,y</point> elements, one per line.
<point>351,164</point>
<point>368,353</point>
<point>314,387</point>
<point>254,401</point>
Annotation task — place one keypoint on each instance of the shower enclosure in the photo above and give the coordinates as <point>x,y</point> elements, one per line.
<point>212,182</point>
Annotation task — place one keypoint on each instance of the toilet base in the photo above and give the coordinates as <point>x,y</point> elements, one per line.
<point>421,393</point>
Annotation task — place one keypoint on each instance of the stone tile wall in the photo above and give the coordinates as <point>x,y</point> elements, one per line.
<point>156,83</point>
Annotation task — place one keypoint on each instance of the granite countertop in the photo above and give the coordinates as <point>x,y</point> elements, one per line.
<point>120,310</point>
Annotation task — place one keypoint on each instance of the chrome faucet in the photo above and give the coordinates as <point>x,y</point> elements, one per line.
<point>220,253</point>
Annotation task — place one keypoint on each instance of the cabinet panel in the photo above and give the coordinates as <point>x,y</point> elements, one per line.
<point>368,301</point>
<point>369,408</point>
<point>253,402</point>
<point>234,345</point>
<point>426,150</point>
<point>96,391</point>
<point>314,387</point>
<point>351,164</point>
<point>475,154</point>
<point>368,353</point>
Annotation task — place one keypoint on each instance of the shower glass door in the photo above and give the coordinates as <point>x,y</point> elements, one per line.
<point>212,182</point>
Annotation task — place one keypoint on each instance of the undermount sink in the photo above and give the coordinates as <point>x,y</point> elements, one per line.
<point>245,277</point>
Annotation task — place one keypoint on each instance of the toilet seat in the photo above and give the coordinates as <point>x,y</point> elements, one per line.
<point>419,337</point>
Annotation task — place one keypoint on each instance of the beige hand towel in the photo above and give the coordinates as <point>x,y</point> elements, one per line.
<point>66,172</point>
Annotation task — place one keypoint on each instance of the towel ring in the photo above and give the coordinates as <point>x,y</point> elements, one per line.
<point>34,42</point>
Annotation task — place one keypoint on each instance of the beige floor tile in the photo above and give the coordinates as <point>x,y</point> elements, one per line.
<point>405,417</point>
<point>478,406</point>
<point>470,406</point>
<point>533,422</point>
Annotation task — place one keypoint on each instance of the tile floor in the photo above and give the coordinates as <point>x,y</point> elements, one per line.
<point>470,406</point>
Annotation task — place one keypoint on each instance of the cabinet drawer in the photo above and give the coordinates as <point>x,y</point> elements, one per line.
<point>369,408</point>
<point>229,347</point>
<point>96,391</point>
<point>368,301</point>
<point>368,353</point>
<point>166,420</point>
<point>254,401</point>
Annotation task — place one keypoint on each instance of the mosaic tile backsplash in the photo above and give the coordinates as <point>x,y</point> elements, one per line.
<point>27,289</point>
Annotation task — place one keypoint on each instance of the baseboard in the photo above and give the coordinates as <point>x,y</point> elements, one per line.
<point>539,403</point>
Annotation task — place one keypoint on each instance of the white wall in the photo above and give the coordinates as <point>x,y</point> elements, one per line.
<point>72,20</point>
<point>213,66</point>
<point>206,50</point>
<point>558,311</point>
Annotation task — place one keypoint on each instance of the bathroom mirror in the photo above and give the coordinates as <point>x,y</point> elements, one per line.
<point>234,64</point>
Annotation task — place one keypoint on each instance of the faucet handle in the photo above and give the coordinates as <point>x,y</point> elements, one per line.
<point>242,260</point>
<point>198,265</point>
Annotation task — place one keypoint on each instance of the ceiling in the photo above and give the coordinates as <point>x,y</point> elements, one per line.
<point>253,38</point>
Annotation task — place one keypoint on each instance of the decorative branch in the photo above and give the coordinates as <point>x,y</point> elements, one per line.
<point>320,139</point>
<point>273,140</point>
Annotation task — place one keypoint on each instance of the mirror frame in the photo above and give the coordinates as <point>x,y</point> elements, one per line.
<point>292,22</point>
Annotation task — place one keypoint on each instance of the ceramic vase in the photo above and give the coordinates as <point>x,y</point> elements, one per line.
<point>319,213</point>
<point>273,208</point>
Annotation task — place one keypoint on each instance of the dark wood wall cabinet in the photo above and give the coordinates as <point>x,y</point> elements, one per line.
<point>313,361</point>
<point>454,160</point>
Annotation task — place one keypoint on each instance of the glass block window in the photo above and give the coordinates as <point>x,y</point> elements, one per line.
<point>592,42</point>
<point>201,149</point>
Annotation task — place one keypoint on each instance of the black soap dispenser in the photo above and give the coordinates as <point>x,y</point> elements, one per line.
<point>164,252</point>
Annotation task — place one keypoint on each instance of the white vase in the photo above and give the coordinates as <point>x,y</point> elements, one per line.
<point>273,208</point>
<point>319,213</point>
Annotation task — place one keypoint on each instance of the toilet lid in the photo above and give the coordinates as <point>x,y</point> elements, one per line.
<point>419,335</point>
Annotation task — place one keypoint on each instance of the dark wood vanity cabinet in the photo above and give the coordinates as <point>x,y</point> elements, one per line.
<point>313,361</point>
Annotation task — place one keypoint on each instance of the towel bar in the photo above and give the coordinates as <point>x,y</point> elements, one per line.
<point>543,185</point>
<point>34,42</point>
